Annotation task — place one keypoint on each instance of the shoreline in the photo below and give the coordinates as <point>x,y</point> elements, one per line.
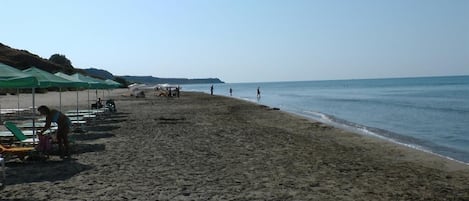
<point>362,130</point>
<point>202,147</point>
<point>366,133</point>
<point>373,134</point>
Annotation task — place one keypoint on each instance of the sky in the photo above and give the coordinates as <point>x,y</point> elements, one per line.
<point>247,40</point>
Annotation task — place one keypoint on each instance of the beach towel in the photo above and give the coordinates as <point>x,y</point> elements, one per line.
<point>45,143</point>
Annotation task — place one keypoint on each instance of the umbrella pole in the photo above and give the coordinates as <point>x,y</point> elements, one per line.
<point>76,117</point>
<point>18,95</point>
<point>89,106</point>
<point>60,99</point>
<point>34,117</point>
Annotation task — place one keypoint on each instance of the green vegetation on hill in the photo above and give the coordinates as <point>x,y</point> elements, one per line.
<point>22,59</point>
<point>104,74</point>
<point>156,80</point>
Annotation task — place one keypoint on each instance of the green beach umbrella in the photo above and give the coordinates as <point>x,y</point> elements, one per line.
<point>47,80</point>
<point>80,83</point>
<point>13,78</point>
<point>112,83</point>
<point>94,84</point>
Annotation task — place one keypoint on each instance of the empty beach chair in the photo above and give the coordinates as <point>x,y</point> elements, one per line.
<point>20,152</point>
<point>19,134</point>
<point>29,125</point>
<point>7,133</point>
<point>80,115</point>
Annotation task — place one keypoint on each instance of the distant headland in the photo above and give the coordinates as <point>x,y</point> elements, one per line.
<point>23,59</point>
<point>152,80</point>
<point>157,80</point>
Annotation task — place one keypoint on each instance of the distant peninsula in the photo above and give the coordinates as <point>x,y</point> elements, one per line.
<point>157,80</point>
<point>150,79</point>
<point>22,59</point>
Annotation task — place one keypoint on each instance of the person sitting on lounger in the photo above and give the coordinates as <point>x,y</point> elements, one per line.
<point>63,124</point>
<point>97,105</point>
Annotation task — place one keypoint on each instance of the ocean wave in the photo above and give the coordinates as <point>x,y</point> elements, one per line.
<point>421,145</point>
<point>388,102</point>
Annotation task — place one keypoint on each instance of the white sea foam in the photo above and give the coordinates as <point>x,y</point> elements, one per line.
<point>359,129</point>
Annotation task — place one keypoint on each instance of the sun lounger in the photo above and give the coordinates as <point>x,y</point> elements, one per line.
<point>19,152</point>
<point>2,163</point>
<point>25,132</point>
<point>7,112</point>
<point>72,118</point>
<point>19,134</point>
<point>37,125</point>
<point>93,111</point>
<point>10,134</point>
<point>83,115</point>
<point>76,118</point>
<point>12,110</point>
<point>79,122</point>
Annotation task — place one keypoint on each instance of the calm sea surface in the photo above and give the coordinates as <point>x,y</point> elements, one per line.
<point>430,114</point>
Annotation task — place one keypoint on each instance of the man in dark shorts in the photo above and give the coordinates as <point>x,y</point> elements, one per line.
<point>63,123</point>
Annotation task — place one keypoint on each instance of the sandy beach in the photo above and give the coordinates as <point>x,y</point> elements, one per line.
<point>202,147</point>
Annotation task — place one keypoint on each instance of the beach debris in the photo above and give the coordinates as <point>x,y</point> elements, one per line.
<point>170,120</point>
<point>185,191</point>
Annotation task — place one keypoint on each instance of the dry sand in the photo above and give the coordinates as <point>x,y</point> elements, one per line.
<point>202,147</point>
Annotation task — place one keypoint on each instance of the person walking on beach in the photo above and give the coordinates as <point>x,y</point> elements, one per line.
<point>258,92</point>
<point>211,90</point>
<point>63,123</point>
<point>231,91</point>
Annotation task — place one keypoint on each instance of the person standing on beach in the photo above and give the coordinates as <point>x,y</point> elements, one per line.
<point>258,92</point>
<point>231,91</point>
<point>211,90</point>
<point>63,124</point>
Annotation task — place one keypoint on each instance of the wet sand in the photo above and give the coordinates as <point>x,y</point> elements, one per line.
<point>202,147</point>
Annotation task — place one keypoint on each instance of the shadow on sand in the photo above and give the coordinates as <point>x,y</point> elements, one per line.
<point>91,136</point>
<point>102,128</point>
<point>39,171</point>
<point>86,148</point>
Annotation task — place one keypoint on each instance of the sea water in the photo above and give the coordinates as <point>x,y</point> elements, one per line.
<point>427,113</point>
